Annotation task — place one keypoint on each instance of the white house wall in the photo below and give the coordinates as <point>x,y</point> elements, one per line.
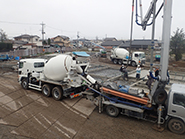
<point>27,46</point>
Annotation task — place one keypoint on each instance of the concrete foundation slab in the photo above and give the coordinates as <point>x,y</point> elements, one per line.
<point>84,106</point>
<point>71,102</point>
<point>142,74</point>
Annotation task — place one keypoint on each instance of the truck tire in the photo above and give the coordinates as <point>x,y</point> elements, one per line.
<point>24,84</point>
<point>46,90</point>
<point>115,61</point>
<point>112,111</point>
<point>160,96</point>
<point>133,63</point>
<point>120,62</point>
<point>176,126</point>
<point>57,93</point>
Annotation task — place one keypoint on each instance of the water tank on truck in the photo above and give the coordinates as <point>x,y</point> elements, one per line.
<point>119,55</point>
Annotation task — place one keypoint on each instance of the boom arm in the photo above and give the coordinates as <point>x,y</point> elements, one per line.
<point>98,45</point>
<point>166,39</point>
<point>148,15</point>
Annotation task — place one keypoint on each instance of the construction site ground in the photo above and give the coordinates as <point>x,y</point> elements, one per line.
<point>26,114</point>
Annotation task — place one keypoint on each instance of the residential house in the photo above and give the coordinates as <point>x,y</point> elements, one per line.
<point>60,40</point>
<point>81,43</point>
<point>111,42</point>
<point>139,44</point>
<point>110,39</point>
<point>18,44</point>
<point>29,41</point>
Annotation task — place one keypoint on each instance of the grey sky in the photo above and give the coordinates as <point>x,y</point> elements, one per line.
<point>91,18</point>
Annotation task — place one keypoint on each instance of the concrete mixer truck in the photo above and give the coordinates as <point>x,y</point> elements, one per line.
<point>61,76</point>
<point>121,56</point>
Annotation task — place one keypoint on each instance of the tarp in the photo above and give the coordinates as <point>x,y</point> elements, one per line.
<point>17,58</point>
<point>83,54</point>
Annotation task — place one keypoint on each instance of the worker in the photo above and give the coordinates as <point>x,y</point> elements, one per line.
<point>149,82</point>
<point>156,72</point>
<point>124,71</point>
<point>138,71</point>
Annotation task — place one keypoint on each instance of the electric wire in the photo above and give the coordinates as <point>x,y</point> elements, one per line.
<point>10,22</point>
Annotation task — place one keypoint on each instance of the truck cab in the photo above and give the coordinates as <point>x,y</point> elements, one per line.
<point>176,109</point>
<point>4,57</point>
<point>138,58</point>
<point>33,66</point>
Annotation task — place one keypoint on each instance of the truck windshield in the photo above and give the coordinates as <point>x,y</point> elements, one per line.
<point>21,64</point>
<point>179,99</point>
<point>38,64</point>
<point>142,55</point>
<point>3,56</point>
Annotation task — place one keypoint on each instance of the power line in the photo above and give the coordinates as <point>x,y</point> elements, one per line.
<point>59,29</point>
<point>53,28</point>
<point>9,22</point>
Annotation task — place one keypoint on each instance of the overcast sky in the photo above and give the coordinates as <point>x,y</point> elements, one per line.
<point>91,18</point>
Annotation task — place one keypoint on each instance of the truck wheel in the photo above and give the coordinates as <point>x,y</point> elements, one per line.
<point>46,90</point>
<point>115,61</point>
<point>160,96</point>
<point>24,84</point>
<point>120,62</point>
<point>176,126</point>
<point>112,111</point>
<point>133,63</point>
<point>57,93</point>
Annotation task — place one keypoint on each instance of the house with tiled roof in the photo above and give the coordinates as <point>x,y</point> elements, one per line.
<point>111,42</point>
<point>27,40</point>
<point>139,44</point>
<point>60,40</point>
<point>110,39</point>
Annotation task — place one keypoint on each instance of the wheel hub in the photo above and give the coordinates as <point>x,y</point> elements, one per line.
<point>112,111</point>
<point>24,84</point>
<point>56,94</point>
<point>176,126</point>
<point>45,91</point>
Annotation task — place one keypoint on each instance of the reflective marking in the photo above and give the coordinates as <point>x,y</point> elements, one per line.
<point>45,119</point>
<point>39,122</point>
<point>66,128</point>
<point>62,132</point>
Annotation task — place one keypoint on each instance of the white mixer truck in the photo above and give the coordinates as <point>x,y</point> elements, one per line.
<point>61,76</point>
<point>121,56</point>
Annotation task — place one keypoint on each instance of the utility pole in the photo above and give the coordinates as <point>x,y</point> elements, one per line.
<point>78,39</point>
<point>42,24</point>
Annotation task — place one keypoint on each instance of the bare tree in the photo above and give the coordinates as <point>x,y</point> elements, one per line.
<point>3,36</point>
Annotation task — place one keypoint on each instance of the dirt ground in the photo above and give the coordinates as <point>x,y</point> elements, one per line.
<point>96,126</point>
<point>101,126</point>
<point>175,66</point>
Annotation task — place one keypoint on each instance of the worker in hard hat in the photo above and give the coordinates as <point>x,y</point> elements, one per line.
<point>149,81</point>
<point>156,71</point>
<point>138,72</point>
<point>124,71</point>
